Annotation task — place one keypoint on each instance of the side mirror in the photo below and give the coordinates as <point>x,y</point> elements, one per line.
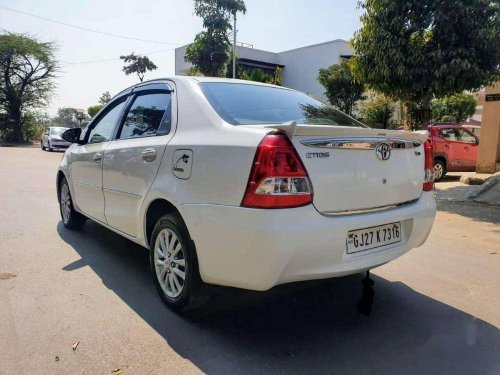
<point>72,135</point>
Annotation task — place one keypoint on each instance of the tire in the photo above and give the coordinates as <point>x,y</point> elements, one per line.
<point>177,281</point>
<point>42,146</point>
<point>439,169</point>
<point>70,218</point>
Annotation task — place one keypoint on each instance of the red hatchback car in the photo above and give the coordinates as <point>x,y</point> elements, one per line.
<point>454,147</point>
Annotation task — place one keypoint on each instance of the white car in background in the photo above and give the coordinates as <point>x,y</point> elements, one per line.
<point>51,139</point>
<point>247,185</point>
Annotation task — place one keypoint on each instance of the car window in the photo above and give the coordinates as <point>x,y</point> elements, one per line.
<point>57,131</point>
<point>465,136</point>
<point>249,104</point>
<point>449,134</point>
<point>104,129</point>
<point>149,115</point>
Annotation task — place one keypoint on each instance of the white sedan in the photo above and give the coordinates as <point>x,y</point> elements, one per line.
<point>246,185</point>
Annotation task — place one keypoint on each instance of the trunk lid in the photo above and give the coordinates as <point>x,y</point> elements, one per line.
<point>355,169</point>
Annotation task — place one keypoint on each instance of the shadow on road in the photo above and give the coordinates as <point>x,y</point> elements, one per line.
<point>472,210</point>
<point>304,328</point>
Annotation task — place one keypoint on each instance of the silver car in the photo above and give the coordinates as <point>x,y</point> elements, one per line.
<point>51,139</point>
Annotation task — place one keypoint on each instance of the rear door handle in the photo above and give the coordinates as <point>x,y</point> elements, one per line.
<point>97,157</point>
<point>149,155</point>
<point>447,146</point>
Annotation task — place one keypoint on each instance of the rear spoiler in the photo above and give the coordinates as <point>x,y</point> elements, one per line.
<point>291,129</point>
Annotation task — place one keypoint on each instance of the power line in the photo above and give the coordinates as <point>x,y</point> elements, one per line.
<point>87,29</point>
<point>115,58</point>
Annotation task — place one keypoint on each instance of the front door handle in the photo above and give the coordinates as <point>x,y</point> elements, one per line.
<point>97,157</point>
<point>149,155</point>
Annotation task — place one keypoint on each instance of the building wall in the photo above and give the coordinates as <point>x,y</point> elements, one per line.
<point>301,64</point>
<point>182,67</point>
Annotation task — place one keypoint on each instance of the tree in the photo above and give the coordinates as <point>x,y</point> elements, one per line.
<point>27,72</point>
<point>453,108</point>
<point>105,98</point>
<point>66,117</point>
<point>377,111</point>
<point>137,64</point>
<point>209,52</point>
<point>414,50</point>
<point>93,109</point>
<point>342,90</point>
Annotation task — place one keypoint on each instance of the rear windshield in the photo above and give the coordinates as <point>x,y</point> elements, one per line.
<point>57,131</point>
<point>247,104</point>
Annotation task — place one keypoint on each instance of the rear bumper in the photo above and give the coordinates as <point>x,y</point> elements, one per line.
<point>258,249</point>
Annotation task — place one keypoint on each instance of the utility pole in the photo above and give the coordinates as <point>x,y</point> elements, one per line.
<point>234,45</point>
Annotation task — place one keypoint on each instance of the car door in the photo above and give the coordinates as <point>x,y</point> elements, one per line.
<point>86,161</point>
<point>132,159</point>
<point>452,148</point>
<point>469,144</point>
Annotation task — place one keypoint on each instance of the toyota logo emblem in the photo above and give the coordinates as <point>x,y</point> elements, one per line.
<point>383,151</point>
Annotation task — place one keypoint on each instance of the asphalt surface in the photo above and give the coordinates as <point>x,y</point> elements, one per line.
<point>436,309</point>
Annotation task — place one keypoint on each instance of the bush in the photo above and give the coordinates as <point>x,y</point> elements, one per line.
<point>377,111</point>
<point>453,108</point>
<point>33,132</point>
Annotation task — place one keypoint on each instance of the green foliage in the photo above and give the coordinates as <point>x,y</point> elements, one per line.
<point>209,52</point>
<point>377,111</point>
<point>342,90</point>
<point>447,118</point>
<point>105,98</point>
<point>417,49</point>
<point>453,108</point>
<point>65,117</point>
<point>258,75</point>
<point>137,64</point>
<point>27,72</point>
<point>93,109</point>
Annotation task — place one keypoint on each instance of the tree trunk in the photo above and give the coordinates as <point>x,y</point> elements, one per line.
<point>15,124</point>
<point>426,111</point>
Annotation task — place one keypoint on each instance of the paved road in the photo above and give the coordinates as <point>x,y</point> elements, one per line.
<point>436,311</point>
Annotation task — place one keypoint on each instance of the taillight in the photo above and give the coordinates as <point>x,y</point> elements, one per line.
<point>278,178</point>
<point>429,167</point>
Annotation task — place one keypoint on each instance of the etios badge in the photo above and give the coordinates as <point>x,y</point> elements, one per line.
<point>383,151</point>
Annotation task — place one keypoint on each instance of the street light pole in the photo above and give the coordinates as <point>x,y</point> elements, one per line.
<point>234,46</point>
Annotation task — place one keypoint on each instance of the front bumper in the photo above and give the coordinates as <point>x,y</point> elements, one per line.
<point>258,249</point>
<point>59,145</point>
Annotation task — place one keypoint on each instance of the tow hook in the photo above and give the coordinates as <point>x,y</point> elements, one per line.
<point>364,305</point>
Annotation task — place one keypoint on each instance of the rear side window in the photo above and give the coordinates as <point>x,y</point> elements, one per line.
<point>149,115</point>
<point>248,104</point>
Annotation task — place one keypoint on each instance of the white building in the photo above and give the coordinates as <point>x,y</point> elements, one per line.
<point>300,66</point>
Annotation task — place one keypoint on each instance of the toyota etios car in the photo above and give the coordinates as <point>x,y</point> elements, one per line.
<point>245,184</point>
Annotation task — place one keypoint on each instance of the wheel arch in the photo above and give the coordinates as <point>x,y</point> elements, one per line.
<point>156,209</point>
<point>441,157</point>
<point>60,176</point>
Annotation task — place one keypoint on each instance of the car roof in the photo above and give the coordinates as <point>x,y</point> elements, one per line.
<point>197,79</point>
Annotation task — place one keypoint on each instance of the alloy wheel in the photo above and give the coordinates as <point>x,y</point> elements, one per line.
<point>65,203</point>
<point>169,263</point>
<point>438,171</point>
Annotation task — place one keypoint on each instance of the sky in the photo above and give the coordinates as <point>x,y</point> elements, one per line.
<point>276,26</point>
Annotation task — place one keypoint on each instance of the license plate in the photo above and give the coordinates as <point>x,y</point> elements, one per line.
<point>373,237</point>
